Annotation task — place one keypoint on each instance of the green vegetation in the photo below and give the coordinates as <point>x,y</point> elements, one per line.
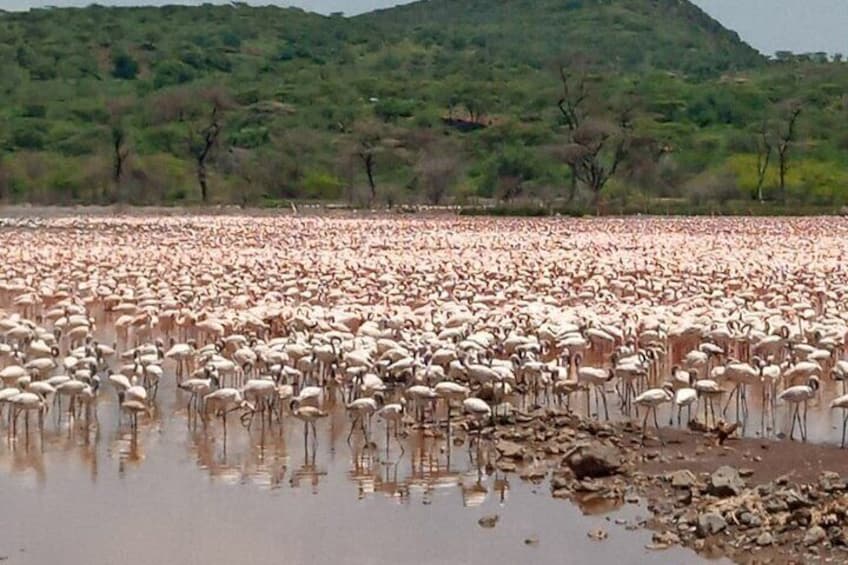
<point>570,105</point>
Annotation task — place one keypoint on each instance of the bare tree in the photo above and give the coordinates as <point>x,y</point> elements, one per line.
<point>201,142</point>
<point>785,139</point>
<point>509,187</point>
<point>118,109</point>
<point>438,164</point>
<point>437,172</point>
<point>571,105</point>
<point>241,166</point>
<point>764,151</point>
<point>121,152</point>
<point>172,105</point>
<point>643,163</point>
<point>367,144</point>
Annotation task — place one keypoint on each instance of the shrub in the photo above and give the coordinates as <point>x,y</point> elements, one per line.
<point>124,66</point>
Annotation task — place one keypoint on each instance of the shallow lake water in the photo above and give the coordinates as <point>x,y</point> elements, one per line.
<point>177,496</point>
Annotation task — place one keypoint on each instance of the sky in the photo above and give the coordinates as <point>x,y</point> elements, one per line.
<point>768,25</point>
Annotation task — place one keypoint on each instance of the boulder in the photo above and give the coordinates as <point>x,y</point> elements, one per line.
<point>726,482</point>
<point>593,459</point>
<point>710,523</point>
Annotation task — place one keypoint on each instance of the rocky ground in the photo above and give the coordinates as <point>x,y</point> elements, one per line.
<point>749,500</point>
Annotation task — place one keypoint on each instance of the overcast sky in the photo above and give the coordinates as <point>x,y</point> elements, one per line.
<point>768,25</point>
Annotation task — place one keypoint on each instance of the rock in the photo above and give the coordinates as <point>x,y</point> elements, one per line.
<point>593,460</point>
<point>725,482</point>
<point>837,537</point>
<point>815,535</point>
<point>488,521</point>
<point>793,499</point>
<point>689,517</point>
<point>665,538</point>
<point>802,516</point>
<point>654,546</point>
<point>745,473</point>
<point>765,538</point>
<point>559,481</point>
<point>590,486</point>
<point>510,449</point>
<point>532,540</point>
<point>774,504</point>
<point>561,493</point>
<point>710,523</point>
<point>598,535</point>
<point>683,478</point>
<point>831,482</point>
<point>534,474</point>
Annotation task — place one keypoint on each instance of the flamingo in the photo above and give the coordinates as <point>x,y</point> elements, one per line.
<point>797,395</point>
<point>651,399</point>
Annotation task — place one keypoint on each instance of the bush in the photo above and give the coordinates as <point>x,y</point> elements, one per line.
<point>171,73</point>
<point>322,186</point>
<point>29,135</point>
<point>713,187</point>
<point>124,67</point>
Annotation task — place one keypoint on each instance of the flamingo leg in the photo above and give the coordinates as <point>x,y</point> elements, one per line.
<point>657,426</point>
<point>844,427</point>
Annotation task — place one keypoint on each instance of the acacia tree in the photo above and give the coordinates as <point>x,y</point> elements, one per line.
<point>597,149</point>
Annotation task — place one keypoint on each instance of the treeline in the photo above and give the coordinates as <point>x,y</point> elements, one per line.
<point>258,106</point>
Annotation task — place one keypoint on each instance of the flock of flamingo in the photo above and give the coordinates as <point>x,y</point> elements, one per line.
<point>423,322</point>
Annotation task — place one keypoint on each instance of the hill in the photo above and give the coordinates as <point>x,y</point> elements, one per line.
<point>622,34</point>
<point>436,100</point>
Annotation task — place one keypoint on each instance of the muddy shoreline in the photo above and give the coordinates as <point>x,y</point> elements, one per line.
<point>749,500</point>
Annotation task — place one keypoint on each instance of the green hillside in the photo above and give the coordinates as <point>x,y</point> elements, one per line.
<point>440,100</point>
<point>623,34</point>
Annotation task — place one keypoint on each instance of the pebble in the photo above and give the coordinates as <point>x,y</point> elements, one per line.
<point>488,521</point>
<point>765,538</point>
<point>598,535</point>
